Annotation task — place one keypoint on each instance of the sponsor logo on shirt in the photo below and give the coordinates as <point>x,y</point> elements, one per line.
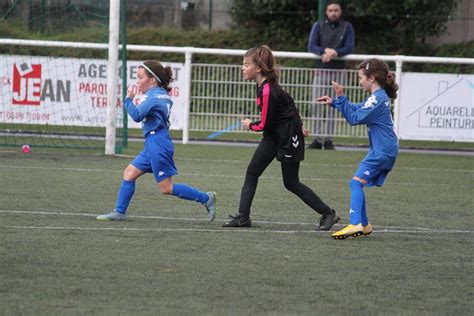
<point>295,141</point>
<point>162,96</point>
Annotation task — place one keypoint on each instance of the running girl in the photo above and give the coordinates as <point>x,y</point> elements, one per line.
<point>157,155</point>
<point>283,139</point>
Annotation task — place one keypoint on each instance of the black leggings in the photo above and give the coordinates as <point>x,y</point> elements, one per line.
<point>257,166</point>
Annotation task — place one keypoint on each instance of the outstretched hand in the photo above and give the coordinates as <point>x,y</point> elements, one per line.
<point>325,100</point>
<point>338,88</point>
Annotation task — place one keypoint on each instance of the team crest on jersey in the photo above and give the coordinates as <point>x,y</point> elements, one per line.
<point>371,102</point>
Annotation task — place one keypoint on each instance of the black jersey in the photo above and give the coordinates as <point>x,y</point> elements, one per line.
<point>276,107</point>
<point>280,122</point>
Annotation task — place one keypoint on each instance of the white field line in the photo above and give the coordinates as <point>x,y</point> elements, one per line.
<point>245,162</point>
<point>216,175</point>
<point>199,230</point>
<point>229,230</point>
<point>383,229</point>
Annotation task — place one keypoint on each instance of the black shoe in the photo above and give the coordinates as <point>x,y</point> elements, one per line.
<point>329,145</point>
<point>327,221</point>
<point>238,221</point>
<point>315,145</point>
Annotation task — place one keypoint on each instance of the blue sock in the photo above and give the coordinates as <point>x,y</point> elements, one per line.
<point>125,193</point>
<point>365,219</point>
<point>357,202</point>
<point>184,191</point>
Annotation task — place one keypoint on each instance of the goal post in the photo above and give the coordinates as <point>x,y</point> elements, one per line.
<point>112,77</point>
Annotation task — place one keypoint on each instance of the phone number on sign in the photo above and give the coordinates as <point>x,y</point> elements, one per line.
<point>29,116</point>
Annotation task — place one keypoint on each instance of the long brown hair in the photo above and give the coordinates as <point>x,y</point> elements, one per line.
<point>164,74</point>
<point>383,76</point>
<point>263,57</point>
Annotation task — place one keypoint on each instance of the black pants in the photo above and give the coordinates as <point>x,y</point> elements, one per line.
<point>262,157</point>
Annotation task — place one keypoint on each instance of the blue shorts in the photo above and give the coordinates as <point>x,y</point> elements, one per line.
<point>157,156</point>
<point>372,175</point>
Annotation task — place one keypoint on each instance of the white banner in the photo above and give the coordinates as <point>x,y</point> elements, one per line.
<point>70,91</point>
<point>437,107</point>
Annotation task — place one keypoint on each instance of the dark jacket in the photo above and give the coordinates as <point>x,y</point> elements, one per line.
<point>338,35</point>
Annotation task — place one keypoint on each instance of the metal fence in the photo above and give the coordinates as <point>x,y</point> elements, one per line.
<point>220,98</point>
<point>216,97</point>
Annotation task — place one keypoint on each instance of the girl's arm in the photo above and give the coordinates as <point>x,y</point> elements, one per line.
<point>131,109</point>
<point>355,114</point>
<point>266,117</point>
<point>138,113</point>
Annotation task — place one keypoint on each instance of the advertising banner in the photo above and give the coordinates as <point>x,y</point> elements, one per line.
<point>437,107</point>
<point>70,91</point>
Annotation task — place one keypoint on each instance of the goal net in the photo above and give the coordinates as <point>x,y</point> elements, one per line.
<point>51,96</point>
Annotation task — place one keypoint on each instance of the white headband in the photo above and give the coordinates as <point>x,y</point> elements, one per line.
<point>149,70</point>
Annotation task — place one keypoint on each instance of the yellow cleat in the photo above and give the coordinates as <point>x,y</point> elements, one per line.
<point>348,231</point>
<point>367,230</point>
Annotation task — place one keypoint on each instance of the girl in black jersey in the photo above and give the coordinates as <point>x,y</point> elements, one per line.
<point>283,138</point>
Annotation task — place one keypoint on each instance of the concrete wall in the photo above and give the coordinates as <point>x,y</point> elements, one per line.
<point>186,14</point>
<point>461,28</point>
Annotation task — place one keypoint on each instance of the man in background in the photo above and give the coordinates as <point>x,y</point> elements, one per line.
<point>330,39</point>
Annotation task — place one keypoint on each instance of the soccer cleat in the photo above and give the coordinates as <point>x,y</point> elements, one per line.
<point>112,216</point>
<point>238,221</point>
<point>327,221</point>
<point>348,231</point>
<point>211,205</point>
<point>367,230</point>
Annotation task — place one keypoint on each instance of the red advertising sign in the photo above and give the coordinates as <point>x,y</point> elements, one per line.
<point>26,84</point>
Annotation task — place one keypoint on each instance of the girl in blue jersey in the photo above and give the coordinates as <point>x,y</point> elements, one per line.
<point>283,139</point>
<point>157,155</point>
<point>374,111</point>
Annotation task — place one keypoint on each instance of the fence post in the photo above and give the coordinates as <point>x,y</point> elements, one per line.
<point>187,92</point>
<point>396,105</point>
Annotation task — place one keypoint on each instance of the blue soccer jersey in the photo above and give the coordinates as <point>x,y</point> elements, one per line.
<point>375,113</point>
<point>153,111</point>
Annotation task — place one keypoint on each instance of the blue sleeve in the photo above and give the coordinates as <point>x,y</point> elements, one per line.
<point>131,109</point>
<point>138,113</point>
<point>356,114</point>
<point>313,42</point>
<point>349,43</point>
